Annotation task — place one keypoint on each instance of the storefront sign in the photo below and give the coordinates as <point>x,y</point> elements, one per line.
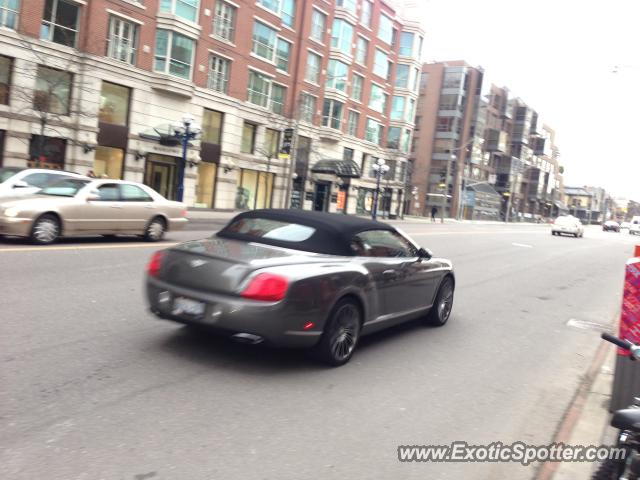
<point>340,200</point>
<point>287,141</point>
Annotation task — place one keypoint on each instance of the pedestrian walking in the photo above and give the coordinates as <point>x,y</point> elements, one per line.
<point>434,211</point>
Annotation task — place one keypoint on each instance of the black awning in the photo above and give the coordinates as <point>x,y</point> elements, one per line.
<point>340,168</point>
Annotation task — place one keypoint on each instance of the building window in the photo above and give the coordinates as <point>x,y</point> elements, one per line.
<point>406,140</point>
<point>271,143</point>
<point>347,154</point>
<point>114,104</point>
<point>318,25</point>
<point>248,137</point>
<point>283,52</point>
<point>9,10</point>
<point>418,119</point>
<point>60,22</point>
<point>254,190</point>
<point>224,21</point>
<point>263,92</point>
<point>378,99</point>
<point>121,44</point>
<point>187,9</point>
<point>411,111</point>
<point>312,71</point>
<point>452,79</point>
<point>212,126</point>
<point>307,107</point>
<point>374,132</point>
<point>357,83</point>
<point>349,5</point>
<point>332,114</point>
<point>362,48</point>
<point>219,70</point>
<point>420,42</point>
<point>402,76</point>
<point>337,75</point>
<point>381,64</point>
<point>397,108</point>
<point>174,54</point>
<point>264,41</point>
<point>406,44</point>
<point>108,162</point>
<point>352,123</point>
<point>47,152</point>
<point>367,13</point>
<point>385,29</point>
<point>283,8</point>
<point>416,77</point>
<point>6,66</point>
<point>341,36</point>
<point>393,138</point>
<point>445,124</point>
<point>53,91</point>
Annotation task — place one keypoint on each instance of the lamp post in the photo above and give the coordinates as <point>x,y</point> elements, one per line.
<point>184,131</point>
<point>380,168</point>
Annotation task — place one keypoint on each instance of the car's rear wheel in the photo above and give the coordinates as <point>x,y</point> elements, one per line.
<point>46,229</point>
<point>441,309</point>
<point>341,334</point>
<point>155,230</point>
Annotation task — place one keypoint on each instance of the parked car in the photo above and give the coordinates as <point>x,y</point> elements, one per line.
<point>610,226</point>
<point>296,278</point>
<point>625,225</point>
<point>78,206</point>
<point>15,181</point>
<point>567,224</point>
<point>634,229</point>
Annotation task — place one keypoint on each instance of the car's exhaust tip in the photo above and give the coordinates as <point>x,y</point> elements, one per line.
<point>247,338</point>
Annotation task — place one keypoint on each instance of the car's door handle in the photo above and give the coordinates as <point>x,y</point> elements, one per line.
<point>116,206</point>
<point>149,206</point>
<point>389,274</point>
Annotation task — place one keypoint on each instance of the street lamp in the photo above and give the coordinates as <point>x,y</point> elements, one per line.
<point>380,168</point>
<point>184,131</point>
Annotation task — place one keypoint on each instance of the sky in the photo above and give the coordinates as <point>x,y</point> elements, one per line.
<point>559,57</point>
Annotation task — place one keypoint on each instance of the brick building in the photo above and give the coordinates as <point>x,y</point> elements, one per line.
<point>99,86</point>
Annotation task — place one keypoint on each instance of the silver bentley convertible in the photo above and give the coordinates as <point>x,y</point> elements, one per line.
<point>301,279</point>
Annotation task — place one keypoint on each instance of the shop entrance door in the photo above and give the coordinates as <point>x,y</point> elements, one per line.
<point>321,198</point>
<point>160,175</point>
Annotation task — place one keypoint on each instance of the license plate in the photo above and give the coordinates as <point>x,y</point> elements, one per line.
<point>183,305</point>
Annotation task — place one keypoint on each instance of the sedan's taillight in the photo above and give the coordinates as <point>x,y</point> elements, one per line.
<point>267,287</point>
<point>153,268</point>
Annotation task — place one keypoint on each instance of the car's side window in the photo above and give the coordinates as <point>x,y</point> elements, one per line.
<point>133,193</point>
<point>109,192</point>
<point>382,243</point>
<point>40,179</point>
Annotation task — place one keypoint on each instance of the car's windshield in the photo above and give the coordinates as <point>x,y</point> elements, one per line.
<point>64,188</point>
<point>7,173</point>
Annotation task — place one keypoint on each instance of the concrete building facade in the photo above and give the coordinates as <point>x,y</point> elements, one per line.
<point>99,86</point>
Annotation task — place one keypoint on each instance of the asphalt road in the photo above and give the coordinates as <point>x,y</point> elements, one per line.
<point>94,387</point>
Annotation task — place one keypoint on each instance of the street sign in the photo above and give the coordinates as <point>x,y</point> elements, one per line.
<point>287,140</point>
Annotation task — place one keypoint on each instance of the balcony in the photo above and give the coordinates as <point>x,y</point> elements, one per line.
<point>448,135</point>
<point>450,113</point>
<point>496,141</point>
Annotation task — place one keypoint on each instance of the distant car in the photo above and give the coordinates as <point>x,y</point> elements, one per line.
<point>569,225</point>
<point>610,226</point>
<point>15,181</point>
<point>295,278</point>
<point>79,206</point>
<point>634,229</point>
<point>625,225</point>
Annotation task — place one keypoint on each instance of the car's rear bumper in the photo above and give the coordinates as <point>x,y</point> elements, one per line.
<point>274,323</point>
<point>177,223</point>
<point>15,226</point>
<point>568,231</point>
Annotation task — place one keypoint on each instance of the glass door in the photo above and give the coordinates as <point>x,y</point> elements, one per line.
<point>206,187</point>
<point>160,174</point>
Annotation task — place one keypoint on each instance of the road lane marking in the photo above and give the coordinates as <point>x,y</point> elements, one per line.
<point>586,325</point>
<point>523,245</point>
<point>87,247</point>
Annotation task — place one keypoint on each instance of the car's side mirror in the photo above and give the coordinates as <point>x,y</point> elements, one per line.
<point>424,253</point>
<point>21,184</point>
<point>93,197</point>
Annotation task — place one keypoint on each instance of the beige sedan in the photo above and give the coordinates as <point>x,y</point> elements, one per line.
<point>75,207</point>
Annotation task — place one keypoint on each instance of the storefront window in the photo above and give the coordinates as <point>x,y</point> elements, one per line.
<point>206,187</point>
<point>108,162</point>
<point>212,126</point>
<point>365,201</point>
<point>47,152</point>
<point>271,143</point>
<point>248,138</point>
<point>255,189</point>
<point>114,104</point>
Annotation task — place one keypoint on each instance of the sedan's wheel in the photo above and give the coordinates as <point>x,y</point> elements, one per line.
<point>155,230</point>
<point>341,334</point>
<point>441,309</point>
<point>46,229</point>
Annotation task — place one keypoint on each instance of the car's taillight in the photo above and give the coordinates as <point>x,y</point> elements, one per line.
<point>266,287</point>
<point>153,268</point>
<point>184,212</point>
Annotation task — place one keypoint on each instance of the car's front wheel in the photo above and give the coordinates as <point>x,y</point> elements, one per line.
<point>341,334</point>
<point>45,230</point>
<point>441,309</point>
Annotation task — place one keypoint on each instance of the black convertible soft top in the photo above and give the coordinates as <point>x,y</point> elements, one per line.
<point>332,236</point>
